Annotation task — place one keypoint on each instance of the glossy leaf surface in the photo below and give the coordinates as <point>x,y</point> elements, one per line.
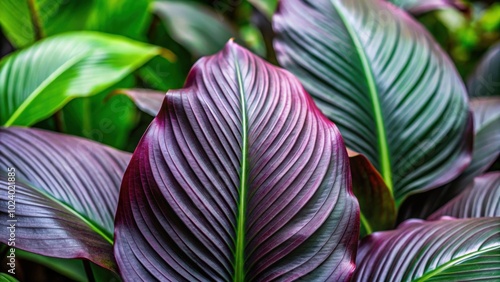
<point>238,178</point>
<point>480,199</point>
<point>66,193</point>
<point>442,250</point>
<point>486,114</point>
<point>394,94</point>
<point>39,80</point>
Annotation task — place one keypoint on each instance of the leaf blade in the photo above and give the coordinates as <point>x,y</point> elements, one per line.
<point>343,50</point>
<point>198,174</point>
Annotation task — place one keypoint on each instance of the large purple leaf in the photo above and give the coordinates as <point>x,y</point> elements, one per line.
<point>239,177</point>
<point>66,193</point>
<point>442,250</point>
<point>394,94</point>
<point>486,113</point>
<point>480,199</point>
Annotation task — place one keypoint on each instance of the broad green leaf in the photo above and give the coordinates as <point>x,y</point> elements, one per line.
<point>38,81</point>
<point>102,118</point>
<point>377,206</point>
<point>486,150</point>
<point>241,179</point>
<point>480,199</point>
<point>66,192</point>
<point>485,81</point>
<point>394,94</point>
<point>129,18</point>
<point>197,27</point>
<point>4,277</point>
<point>26,21</point>
<point>71,268</point>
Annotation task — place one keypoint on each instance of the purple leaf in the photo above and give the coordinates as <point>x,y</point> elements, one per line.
<point>377,207</point>
<point>480,199</point>
<point>66,193</point>
<point>148,101</point>
<point>239,177</point>
<point>418,7</point>
<point>442,250</point>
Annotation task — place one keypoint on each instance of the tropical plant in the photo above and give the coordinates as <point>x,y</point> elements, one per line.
<point>348,149</point>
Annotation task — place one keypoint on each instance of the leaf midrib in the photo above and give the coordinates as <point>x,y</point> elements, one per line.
<point>454,262</point>
<point>239,260</point>
<point>68,208</point>
<point>385,163</point>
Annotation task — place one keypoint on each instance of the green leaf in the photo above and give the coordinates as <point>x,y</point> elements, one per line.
<point>38,81</point>
<point>25,21</point>
<point>486,113</point>
<point>197,27</point>
<point>394,94</point>
<point>4,277</point>
<point>105,119</point>
<point>129,18</point>
<point>485,81</point>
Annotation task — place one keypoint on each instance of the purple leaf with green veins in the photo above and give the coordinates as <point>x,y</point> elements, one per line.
<point>442,250</point>
<point>394,94</point>
<point>66,193</point>
<point>480,199</point>
<point>238,178</point>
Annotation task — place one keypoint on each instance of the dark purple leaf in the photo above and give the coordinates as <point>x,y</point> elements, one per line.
<point>239,177</point>
<point>66,193</point>
<point>442,250</point>
<point>377,207</point>
<point>480,199</point>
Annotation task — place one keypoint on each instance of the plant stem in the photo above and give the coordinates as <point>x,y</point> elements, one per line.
<point>35,20</point>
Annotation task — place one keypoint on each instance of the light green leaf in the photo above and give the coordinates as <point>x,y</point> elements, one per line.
<point>25,21</point>
<point>201,30</point>
<point>38,81</point>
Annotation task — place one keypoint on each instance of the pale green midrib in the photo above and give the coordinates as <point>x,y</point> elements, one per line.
<point>52,77</point>
<point>365,223</point>
<point>385,163</point>
<point>239,263</point>
<point>68,208</point>
<point>454,262</point>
